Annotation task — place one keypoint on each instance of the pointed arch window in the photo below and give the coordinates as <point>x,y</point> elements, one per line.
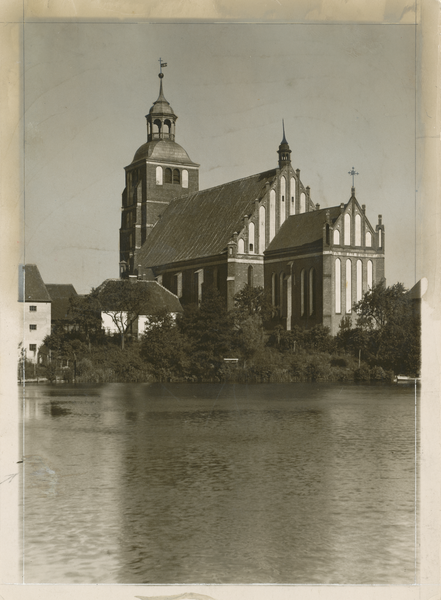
<point>302,292</point>
<point>158,175</point>
<point>337,285</point>
<point>302,202</point>
<point>368,239</point>
<point>251,276</point>
<point>292,205</point>
<point>336,237</point>
<point>348,286</point>
<point>311,291</point>
<point>347,229</point>
<point>176,176</point>
<point>185,178</point>
<point>369,274</point>
<point>357,230</point>
<point>251,237</point>
<point>359,280</point>
<point>168,175</point>
<point>240,246</point>
<point>261,230</point>
<point>282,208</point>
<point>272,216</point>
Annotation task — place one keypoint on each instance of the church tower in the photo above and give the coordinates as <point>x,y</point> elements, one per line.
<point>161,170</point>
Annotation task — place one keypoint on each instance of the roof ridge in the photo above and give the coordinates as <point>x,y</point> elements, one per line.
<point>220,185</point>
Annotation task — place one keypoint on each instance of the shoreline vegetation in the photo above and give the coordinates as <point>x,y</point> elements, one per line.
<point>383,342</point>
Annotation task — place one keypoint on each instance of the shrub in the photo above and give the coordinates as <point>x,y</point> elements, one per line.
<point>362,373</point>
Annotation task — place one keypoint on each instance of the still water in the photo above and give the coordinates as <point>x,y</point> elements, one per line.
<point>185,483</point>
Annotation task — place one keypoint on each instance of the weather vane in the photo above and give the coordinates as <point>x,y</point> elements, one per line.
<point>161,66</point>
<point>353,172</point>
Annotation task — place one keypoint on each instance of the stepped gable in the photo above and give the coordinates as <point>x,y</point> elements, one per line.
<point>60,294</point>
<point>34,287</point>
<point>202,224</point>
<point>158,298</point>
<point>305,229</point>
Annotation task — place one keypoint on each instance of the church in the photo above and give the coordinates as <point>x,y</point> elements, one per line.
<point>261,230</point>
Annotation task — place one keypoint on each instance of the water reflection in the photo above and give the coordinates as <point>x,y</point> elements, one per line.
<point>221,484</point>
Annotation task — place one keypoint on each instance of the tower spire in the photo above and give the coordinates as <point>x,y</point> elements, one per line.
<point>161,120</point>
<point>284,151</point>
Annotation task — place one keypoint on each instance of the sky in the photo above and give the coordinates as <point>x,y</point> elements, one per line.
<point>345,92</point>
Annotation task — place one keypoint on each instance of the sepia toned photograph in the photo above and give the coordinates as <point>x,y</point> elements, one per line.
<point>220,293</point>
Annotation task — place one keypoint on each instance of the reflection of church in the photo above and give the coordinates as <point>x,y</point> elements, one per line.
<point>263,230</point>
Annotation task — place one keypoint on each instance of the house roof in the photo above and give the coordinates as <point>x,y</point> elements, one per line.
<point>32,283</point>
<point>303,230</point>
<point>157,297</point>
<point>60,294</point>
<point>201,224</point>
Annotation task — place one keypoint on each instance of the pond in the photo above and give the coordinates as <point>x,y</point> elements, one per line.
<point>220,483</point>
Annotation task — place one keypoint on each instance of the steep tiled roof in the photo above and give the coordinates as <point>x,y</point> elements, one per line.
<point>158,298</point>
<point>201,224</point>
<point>303,230</point>
<point>60,294</point>
<point>33,285</point>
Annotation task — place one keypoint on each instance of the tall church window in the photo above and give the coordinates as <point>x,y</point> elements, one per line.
<point>347,229</point>
<point>176,176</point>
<point>357,230</point>
<point>369,274</point>
<point>380,240</point>
<point>302,202</point>
<point>359,280</point>
<point>282,200</point>
<point>251,237</point>
<point>250,276</point>
<point>282,294</point>
<point>302,292</point>
<point>272,216</point>
<point>185,178</point>
<point>273,288</point>
<point>337,285</point>
<point>168,175</point>
<point>368,239</point>
<point>158,175</point>
<point>336,237</point>
<point>311,291</point>
<point>261,230</point>
<point>288,302</point>
<point>292,206</point>
<point>179,285</point>
<point>199,282</point>
<point>348,286</point>
<point>241,246</point>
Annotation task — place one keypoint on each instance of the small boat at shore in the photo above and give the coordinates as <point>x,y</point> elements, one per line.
<point>407,379</point>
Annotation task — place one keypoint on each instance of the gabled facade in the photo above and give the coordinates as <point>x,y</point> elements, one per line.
<point>36,305</point>
<point>321,263</point>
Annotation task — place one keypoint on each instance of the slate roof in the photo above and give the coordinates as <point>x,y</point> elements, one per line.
<point>158,298</point>
<point>164,150</point>
<point>60,294</point>
<point>32,283</point>
<point>305,229</point>
<point>201,224</point>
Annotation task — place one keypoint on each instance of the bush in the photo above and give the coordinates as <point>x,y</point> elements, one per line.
<point>362,373</point>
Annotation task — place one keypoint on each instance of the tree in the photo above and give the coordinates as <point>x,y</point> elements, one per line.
<point>164,347</point>
<point>86,316</point>
<point>252,301</point>
<point>391,330</point>
<point>123,301</point>
<point>210,331</point>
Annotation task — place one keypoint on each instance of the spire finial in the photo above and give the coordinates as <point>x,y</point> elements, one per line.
<point>283,127</point>
<point>161,65</point>
<point>353,172</point>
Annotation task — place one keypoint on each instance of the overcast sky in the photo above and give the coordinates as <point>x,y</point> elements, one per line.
<point>346,92</point>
